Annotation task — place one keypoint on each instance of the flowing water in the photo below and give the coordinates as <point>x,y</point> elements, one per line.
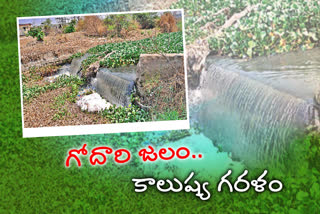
<point>296,73</point>
<point>76,64</point>
<point>69,69</point>
<point>113,84</point>
<point>115,87</point>
<point>255,108</point>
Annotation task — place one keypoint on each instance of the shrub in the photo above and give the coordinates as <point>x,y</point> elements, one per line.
<point>111,30</point>
<point>146,20</point>
<point>119,25</point>
<point>93,26</point>
<point>71,27</point>
<point>134,25</point>
<point>167,23</point>
<point>36,32</point>
<point>117,22</point>
<point>62,81</point>
<point>80,25</point>
<point>47,26</point>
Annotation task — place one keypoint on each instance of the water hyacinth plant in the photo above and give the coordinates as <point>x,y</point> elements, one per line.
<point>272,27</point>
<point>62,81</point>
<point>126,115</point>
<point>127,53</point>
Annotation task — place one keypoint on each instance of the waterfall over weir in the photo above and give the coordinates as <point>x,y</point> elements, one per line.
<point>113,84</point>
<point>76,64</point>
<point>247,117</point>
<point>116,87</point>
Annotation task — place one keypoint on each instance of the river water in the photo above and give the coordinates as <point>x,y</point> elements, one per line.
<point>296,73</point>
<point>255,108</point>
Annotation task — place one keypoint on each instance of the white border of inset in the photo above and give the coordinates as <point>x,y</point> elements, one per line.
<point>106,128</point>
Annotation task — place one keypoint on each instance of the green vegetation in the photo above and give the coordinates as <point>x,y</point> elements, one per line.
<point>116,23</point>
<point>76,55</point>
<point>109,187</point>
<point>33,74</point>
<point>45,186</point>
<point>47,26</point>
<point>60,102</point>
<point>302,175</point>
<point>71,27</point>
<point>171,115</point>
<point>146,20</point>
<point>127,53</point>
<point>36,32</point>
<point>120,114</point>
<point>126,115</point>
<point>61,81</point>
<point>179,25</point>
<point>67,96</point>
<point>62,111</point>
<point>274,27</point>
<point>167,101</point>
<point>134,113</point>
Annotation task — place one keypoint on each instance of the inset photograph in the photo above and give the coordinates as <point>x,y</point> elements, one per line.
<point>80,71</point>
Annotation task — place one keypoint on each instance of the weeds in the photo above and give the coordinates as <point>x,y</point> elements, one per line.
<point>61,101</point>
<point>62,81</point>
<point>76,55</point>
<point>170,114</point>
<point>36,32</point>
<point>126,115</point>
<point>36,74</point>
<point>128,53</point>
<point>60,114</point>
<point>71,27</point>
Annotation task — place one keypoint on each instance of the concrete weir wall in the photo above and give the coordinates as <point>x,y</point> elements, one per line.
<point>115,87</point>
